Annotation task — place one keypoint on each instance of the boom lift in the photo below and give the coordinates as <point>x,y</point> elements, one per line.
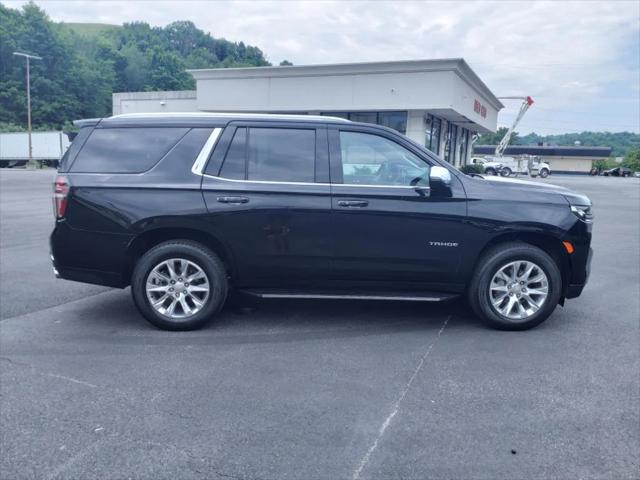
<point>496,163</point>
<point>502,146</point>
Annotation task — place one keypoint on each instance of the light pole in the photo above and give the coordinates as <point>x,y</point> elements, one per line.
<point>28,57</point>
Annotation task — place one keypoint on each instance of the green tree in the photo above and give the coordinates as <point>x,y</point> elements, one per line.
<point>632,159</point>
<point>495,138</point>
<point>619,142</point>
<point>168,72</point>
<point>83,64</point>
<point>136,72</point>
<point>53,87</point>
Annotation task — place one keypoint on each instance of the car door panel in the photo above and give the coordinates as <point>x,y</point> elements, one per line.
<point>279,232</point>
<point>400,237</point>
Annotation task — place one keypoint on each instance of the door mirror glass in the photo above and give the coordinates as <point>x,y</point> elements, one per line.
<point>440,175</point>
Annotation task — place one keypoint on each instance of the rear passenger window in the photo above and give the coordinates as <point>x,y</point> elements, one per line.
<point>284,155</point>
<point>271,154</point>
<point>125,150</point>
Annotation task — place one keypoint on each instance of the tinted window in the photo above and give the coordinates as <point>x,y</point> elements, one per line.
<point>374,160</point>
<point>178,162</point>
<point>76,142</point>
<point>234,162</point>
<point>126,150</point>
<point>281,154</point>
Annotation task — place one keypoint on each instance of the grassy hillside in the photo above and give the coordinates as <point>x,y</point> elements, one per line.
<point>89,29</point>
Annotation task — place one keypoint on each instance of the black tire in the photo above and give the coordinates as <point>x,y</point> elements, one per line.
<point>478,289</point>
<point>194,252</point>
<point>490,171</point>
<point>544,173</point>
<point>505,172</point>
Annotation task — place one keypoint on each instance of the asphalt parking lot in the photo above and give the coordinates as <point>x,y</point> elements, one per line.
<point>313,390</point>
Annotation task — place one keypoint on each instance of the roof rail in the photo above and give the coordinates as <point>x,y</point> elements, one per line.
<point>283,116</point>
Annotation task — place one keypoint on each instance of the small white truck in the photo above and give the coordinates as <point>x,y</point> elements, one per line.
<point>47,148</point>
<point>507,166</point>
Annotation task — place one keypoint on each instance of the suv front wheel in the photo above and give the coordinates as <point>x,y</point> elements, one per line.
<point>179,285</point>
<point>516,286</point>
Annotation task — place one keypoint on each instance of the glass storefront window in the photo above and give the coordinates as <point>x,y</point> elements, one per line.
<point>395,120</point>
<point>364,117</point>
<point>450,145</point>
<point>344,115</point>
<point>464,142</point>
<point>432,141</point>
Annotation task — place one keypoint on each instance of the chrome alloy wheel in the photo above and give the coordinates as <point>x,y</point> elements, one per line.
<point>518,289</point>
<point>177,288</point>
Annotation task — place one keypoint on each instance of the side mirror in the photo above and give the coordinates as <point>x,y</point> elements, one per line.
<point>440,175</point>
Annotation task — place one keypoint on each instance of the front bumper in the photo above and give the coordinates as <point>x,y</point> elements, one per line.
<point>575,289</point>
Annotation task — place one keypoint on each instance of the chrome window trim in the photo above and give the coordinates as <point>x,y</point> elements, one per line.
<point>205,152</point>
<point>410,187</point>
<point>273,182</point>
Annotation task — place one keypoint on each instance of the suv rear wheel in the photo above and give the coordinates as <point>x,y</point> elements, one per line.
<point>516,286</point>
<point>179,285</point>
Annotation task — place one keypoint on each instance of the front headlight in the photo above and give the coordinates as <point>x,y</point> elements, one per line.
<point>583,212</point>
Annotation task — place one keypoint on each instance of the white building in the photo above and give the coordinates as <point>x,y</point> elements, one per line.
<point>437,103</point>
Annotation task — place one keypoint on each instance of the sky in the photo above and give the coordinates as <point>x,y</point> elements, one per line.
<point>580,61</point>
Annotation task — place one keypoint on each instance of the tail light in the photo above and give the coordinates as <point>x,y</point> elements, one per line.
<point>60,195</point>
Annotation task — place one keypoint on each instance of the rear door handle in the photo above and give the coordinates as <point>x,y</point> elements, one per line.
<point>234,200</point>
<point>353,203</point>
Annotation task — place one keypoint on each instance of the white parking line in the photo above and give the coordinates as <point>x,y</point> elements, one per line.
<point>396,406</point>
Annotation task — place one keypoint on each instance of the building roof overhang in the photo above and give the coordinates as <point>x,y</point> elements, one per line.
<point>457,65</point>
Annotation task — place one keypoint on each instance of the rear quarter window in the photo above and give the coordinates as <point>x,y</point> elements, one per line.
<point>77,140</point>
<point>125,150</point>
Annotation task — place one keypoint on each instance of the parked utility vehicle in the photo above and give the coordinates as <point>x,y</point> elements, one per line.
<point>506,166</point>
<point>184,207</point>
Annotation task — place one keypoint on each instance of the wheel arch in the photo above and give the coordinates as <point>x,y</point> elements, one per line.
<point>150,238</point>
<point>550,244</point>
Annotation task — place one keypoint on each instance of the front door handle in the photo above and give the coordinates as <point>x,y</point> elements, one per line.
<point>234,200</point>
<point>353,203</point>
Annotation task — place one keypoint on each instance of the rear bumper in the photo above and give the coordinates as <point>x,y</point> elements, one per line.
<point>95,277</point>
<point>88,257</point>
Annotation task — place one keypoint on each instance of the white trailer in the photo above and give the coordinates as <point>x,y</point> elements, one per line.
<point>47,148</point>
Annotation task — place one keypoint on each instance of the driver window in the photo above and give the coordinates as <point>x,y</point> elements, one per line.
<point>372,160</point>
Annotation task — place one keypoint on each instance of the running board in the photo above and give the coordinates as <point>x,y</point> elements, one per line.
<point>405,297</point>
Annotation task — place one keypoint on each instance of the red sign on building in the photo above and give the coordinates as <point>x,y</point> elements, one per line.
<point>479,108</point>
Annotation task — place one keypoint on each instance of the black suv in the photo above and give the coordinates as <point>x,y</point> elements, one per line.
<point>183,207</point>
